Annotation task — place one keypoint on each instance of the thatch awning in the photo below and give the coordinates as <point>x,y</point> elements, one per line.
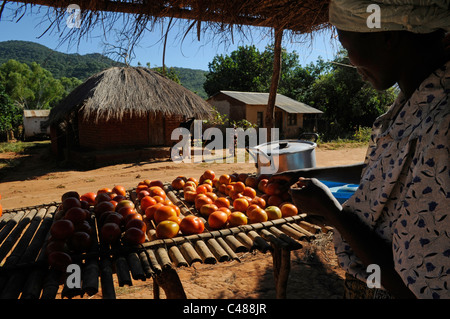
<point>301,16</point>
<point>120,91</point>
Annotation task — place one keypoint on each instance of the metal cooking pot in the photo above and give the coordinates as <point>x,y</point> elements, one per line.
<point>284,155</point>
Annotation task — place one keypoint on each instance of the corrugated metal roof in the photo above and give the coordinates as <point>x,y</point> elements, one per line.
<point>283,102</point>
<point>36,113</point>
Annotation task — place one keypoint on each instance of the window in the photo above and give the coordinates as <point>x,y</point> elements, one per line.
<point>292,119</point>
<point>260,119</point>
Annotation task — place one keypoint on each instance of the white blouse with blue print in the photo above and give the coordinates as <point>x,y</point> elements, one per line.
<point>404,194</point>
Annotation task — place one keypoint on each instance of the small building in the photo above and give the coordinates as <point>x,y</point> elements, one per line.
<point>291,116</point>
<point>34,123</point>
<point>122,109</point>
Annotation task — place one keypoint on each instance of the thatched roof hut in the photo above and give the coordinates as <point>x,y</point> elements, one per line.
<point>118,91</point>
<point>122,108</point>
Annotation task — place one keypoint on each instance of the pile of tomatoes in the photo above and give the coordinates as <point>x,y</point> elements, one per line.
<point>72,232</point>
<point>161,213</point>
<point>236,199</point>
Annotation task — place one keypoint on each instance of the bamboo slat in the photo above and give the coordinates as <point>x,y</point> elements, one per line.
<point>259,242</point>
<point>137,271</point>
<point>245,240</point>
<point>292,244</point>
<point>122,271</point>
<point>163,257</point>
<point>106,279</point>
<point>227,248</point>
<point>235,244</point>
<point>217,250</point>
<point>190,253</point>
<point>146,264</point>
<point>177,257</point>
<point>206,255</point>
<point>153,261</point>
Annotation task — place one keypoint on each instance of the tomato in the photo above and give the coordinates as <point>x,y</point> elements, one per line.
<point>218,219</point>
<point>102,207</point>
<point>167,229</point>
<point>262,185</point>
<point>70,194</point>
<point>208,209</point>
<point>258,201</point>
<point>146,202</point>
<point>209,174</point>
<point>189,196</point>
<point>70,202</point>
<point>157,191</point>
<point>202,200</point>
<point>156,183</point>
<point>178,183</point>
<point>132,217</point>
<point>114,217</point>
<point>125,211</point>
<point>110,233</point>
<point>134,236</point>
<point>141,187</point>
<point>59,260</point>
<point>150,211</point>
<point>192,225</point>
<point>142,194</point>
<point>272,189</point>
<point>241,204</point>
<point>80,241</point>
<point>119,190</point>
<point>201,189</point>
<point>222,202</point>
<point>225,179</point>
<point>84,226</point>
<point>257,215</point>
<point>89,197</point>
<point>274,200</point>
<point>273,212</point>
<point>288,210</point>
<point>237,219</point>
<point>76,215</point>
<point>163,213</point>
<point>136,223</point>
<point>104,190</point>
<point>250,192</point>
<point>251,181</point>
<point>62,229</point>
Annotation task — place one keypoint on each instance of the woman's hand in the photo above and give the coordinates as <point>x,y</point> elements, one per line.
<point>314,198</point>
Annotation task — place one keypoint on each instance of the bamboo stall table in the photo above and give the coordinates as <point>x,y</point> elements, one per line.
<point>25,274</point>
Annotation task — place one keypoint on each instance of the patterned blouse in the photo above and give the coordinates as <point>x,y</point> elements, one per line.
<point>404,194</point>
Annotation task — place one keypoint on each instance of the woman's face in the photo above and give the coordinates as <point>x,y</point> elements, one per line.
<point>371,54</point>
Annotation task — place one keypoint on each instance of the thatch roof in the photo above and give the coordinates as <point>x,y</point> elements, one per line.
<point>219,17</point>
<point>120,91</point>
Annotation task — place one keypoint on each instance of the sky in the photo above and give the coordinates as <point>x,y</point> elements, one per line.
<point>190,53</point>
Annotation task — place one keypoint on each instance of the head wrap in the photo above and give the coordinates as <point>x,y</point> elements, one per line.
<point>417,16</point>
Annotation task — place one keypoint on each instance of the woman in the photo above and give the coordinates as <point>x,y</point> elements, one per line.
<point>398,218</point>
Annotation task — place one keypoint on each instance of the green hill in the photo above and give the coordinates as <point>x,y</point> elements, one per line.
<point>59,64</point>
<point>193,80</point>
<point>82,66</point>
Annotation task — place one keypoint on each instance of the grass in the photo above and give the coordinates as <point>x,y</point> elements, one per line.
<point>19,146</point>
<point>341,143</point>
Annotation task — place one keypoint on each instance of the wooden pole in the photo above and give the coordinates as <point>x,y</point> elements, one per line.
<point>269,119</point>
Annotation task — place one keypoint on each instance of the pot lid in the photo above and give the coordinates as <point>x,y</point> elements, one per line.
<point>286,146</point>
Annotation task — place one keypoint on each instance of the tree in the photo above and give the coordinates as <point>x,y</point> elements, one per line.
<point>10,114</point>
<point>245,69</point>
<point>30,87</point>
